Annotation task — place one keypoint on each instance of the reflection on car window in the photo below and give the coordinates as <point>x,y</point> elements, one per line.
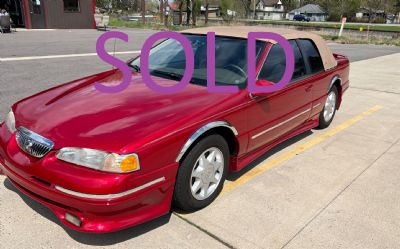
<point>312,55</point>
<point>168,60</point>
<point>275,64</point>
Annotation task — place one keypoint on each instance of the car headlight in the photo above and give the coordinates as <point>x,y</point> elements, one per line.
<point>100,160</point>
<point>10,122</point>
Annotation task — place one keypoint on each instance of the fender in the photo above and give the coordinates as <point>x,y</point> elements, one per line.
<point>200,132</point>
<point>337,77</point>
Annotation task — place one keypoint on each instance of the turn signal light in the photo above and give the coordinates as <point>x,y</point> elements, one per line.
<point>129,163</point>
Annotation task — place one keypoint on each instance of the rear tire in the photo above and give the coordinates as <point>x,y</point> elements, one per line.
<point>202,174</point>
<point>329,111</point>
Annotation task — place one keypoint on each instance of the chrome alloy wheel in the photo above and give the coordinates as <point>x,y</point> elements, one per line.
<point>330,106</point>
<point>207,173</point>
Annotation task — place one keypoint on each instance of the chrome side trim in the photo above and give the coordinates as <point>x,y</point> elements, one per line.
<point>200,131</point>
<point>316,105</point>
<point>110,196</point>
<point>333,82</point>
<point>280,124</point>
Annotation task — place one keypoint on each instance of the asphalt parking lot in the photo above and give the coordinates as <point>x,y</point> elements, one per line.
<point>334,188</point>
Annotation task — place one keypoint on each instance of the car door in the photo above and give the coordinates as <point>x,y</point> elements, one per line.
<point>317,74</point>
<point>277,114</point>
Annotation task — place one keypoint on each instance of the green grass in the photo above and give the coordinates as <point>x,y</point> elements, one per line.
<point>353,26</point>
<point>115,22</point>
<point>371,40</point>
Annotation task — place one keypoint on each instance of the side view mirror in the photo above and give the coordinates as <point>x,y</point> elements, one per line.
<point>263,83</point>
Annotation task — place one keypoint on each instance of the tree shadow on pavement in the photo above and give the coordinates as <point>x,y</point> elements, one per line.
<point>106,239</point>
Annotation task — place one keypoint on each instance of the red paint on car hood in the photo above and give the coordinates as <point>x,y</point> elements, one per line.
<point>77,115</point>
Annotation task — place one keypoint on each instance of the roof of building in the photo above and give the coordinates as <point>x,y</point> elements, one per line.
<point>242,32</point>
<point>309,9</point>
<point>271,2</point>
<point>366,10</point>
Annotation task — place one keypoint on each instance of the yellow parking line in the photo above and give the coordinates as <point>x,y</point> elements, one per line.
<point>275,161</point>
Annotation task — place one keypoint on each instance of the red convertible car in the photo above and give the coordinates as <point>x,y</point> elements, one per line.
<point>104,162</point>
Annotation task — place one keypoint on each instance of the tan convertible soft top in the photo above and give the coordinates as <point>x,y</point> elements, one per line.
<point>242,31</point>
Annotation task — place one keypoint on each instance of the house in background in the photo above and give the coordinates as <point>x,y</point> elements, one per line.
<point>393,19</point>
<point>270,10</point>
<point>213,11</point>
<point>315,12</point>
<point>51,14</point>
<point>364,15</point>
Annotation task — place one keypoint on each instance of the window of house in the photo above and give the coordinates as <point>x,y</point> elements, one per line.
<point>72,6</point>
<point>275,64</point>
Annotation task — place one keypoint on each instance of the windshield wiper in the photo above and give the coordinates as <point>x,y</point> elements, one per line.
<point>170,75</point>
<point>135,67</point>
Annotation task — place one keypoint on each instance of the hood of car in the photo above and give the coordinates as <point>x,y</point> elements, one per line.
<point>78,115</point>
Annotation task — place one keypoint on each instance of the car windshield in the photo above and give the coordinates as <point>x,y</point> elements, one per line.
<point>167,60</point>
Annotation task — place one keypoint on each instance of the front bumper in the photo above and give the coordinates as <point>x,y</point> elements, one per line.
<point>107,213</point>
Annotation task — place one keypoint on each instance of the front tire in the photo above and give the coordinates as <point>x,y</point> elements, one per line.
<point>329,111</point>
<point>202,174</point>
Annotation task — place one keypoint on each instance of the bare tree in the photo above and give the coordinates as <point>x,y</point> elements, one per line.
<point>247,7</point>
<point>143,10</point>
<point>373,6</point>
<point>161,11</point>
<point>181,12</point>
<point>188,11</point>
<point>165,13</point>
<point>293,4</point>
<point>194,12</point>
<point>206,14</point>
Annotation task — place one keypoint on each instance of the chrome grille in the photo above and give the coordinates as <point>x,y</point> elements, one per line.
<point>32,143</point>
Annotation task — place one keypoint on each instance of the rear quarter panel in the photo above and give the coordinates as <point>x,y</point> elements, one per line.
<point>323,81</point>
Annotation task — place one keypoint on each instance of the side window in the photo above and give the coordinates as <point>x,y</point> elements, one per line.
<point>312,55</point>
<point>275,64</point>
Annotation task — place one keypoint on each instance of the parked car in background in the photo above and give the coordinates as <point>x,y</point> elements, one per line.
<point>301,18</point>
<point>104,162</point>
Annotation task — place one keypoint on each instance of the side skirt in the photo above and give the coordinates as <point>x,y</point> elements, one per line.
<point>237,164</point>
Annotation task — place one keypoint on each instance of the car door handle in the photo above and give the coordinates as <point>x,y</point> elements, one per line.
<point>309,88</point>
